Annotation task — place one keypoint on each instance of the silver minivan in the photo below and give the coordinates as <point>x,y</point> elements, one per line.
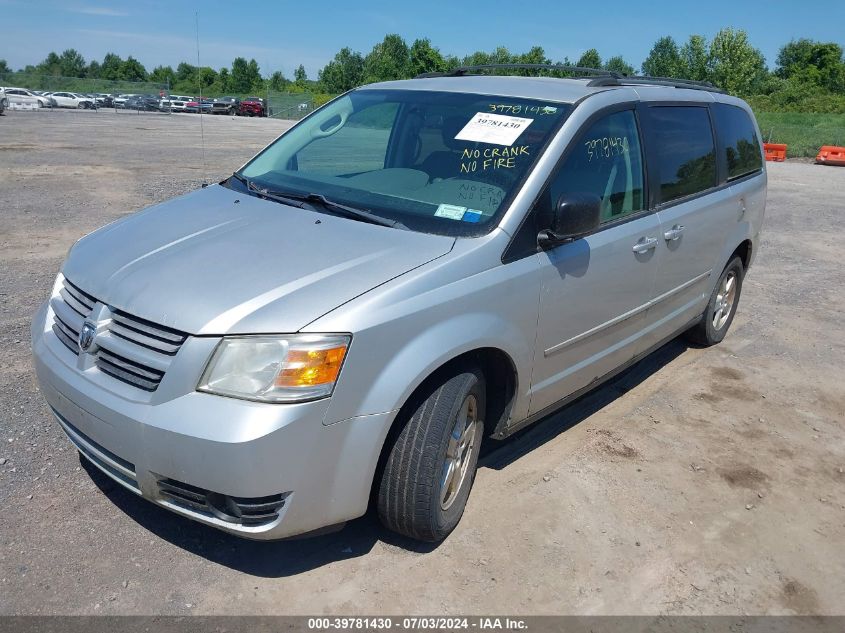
<point>414,267</point>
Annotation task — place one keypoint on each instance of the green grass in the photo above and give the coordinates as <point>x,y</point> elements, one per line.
<point>804,133</point>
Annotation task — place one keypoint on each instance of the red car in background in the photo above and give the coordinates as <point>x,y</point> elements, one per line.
<point>195,106</point>
<point>253,106</point>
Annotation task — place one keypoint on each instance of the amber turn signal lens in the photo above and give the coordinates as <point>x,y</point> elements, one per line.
<point>312,367</point>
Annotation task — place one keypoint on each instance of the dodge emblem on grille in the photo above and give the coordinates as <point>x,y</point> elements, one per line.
<point>86,336</point>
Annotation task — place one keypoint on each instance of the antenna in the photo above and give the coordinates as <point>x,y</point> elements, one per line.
<point>199,104</point>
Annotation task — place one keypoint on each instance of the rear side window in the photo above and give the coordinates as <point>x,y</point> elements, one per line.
<point>684,151</point>
<point>740,145</point>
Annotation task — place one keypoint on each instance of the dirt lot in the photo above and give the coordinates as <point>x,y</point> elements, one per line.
<point>701,481</point>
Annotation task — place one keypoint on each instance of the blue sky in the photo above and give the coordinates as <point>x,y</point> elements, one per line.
<point>282,34</point>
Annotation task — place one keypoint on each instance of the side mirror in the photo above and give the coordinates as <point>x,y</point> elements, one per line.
<point>575,214</point>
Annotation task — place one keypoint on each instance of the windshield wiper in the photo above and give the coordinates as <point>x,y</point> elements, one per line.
<point>300,200</point>
<point>351,212</point>
<point>269,195</point>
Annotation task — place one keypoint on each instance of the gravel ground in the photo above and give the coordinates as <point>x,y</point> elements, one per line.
<point>699,482</point>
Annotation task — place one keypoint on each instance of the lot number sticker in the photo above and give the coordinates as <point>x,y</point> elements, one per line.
<point>498,129</point>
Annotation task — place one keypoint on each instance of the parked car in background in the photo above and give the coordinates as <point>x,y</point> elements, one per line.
<point>98,99</point>
<point>73,100</point>
<point>120,100</point>
<point>178,102</point>
<point>195,106</point>
<point>21,97</point>
<point>226,105</point>
<point>343,321</point>
<point>145,103</point>
<point>47,101</point>
<point>252,106</point>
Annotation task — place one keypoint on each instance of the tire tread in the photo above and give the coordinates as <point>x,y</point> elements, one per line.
<point>409,483</point>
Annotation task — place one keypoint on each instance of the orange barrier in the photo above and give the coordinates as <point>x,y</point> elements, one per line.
<point>831,155</point>
<point>775,151</point>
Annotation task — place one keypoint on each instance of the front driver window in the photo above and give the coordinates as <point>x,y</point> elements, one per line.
<point>605,161</point>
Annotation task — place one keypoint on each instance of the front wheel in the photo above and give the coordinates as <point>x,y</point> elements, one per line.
<point>721,307</point>
<point>431,465</point>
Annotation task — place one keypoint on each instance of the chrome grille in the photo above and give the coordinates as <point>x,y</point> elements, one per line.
<point>131,349</point>
<point>128,371</point>
<point>75,305</point>
<point>155,337</point>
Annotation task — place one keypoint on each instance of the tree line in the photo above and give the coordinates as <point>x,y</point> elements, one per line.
<point>808,75</point>
<point>241,77</point>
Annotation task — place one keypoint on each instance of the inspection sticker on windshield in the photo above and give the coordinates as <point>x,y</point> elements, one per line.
<point>498,129</point>
<point>451,211</point>
<point>472,215</point>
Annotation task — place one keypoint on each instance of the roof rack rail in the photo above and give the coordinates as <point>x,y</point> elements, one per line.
<point>654,81</point>
<point>581,70</point>
<point>601,77</point>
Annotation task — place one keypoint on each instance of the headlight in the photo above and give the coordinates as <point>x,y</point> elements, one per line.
<point>291,368</point>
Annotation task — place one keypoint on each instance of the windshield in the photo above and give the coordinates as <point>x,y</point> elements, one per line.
<point>438,162</point>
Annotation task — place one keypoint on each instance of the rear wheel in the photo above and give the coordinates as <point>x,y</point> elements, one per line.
<point>431,466</point>
<point>721,308</point>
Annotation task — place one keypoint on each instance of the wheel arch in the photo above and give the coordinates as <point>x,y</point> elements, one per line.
<point>744,252</point>
<point>501,382</point>
<point>738,243</point>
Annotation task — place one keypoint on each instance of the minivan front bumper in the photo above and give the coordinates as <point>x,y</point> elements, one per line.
<point>198,454</point>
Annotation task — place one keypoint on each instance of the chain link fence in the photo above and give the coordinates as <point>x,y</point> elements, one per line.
<point>289,105</point>
<point>53,83</point>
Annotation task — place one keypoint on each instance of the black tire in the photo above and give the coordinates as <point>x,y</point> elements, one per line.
<point>411,492</point>
<point>705,331</point>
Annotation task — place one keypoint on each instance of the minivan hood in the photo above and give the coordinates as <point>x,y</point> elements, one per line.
<point>216,261</point>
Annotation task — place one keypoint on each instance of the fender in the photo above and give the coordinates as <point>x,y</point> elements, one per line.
<point>384,377</point>
<point>390,386</point>
<point>406,329</point>
<point>391,378</point>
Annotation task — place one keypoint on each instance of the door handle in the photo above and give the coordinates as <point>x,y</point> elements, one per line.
<point>645,244</point>
<point>674,233</point>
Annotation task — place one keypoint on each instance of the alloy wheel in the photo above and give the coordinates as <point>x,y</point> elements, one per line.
<point>724,301</point>
<point>463,441</point>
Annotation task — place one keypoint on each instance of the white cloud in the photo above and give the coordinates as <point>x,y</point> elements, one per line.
<point>105,11</point>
